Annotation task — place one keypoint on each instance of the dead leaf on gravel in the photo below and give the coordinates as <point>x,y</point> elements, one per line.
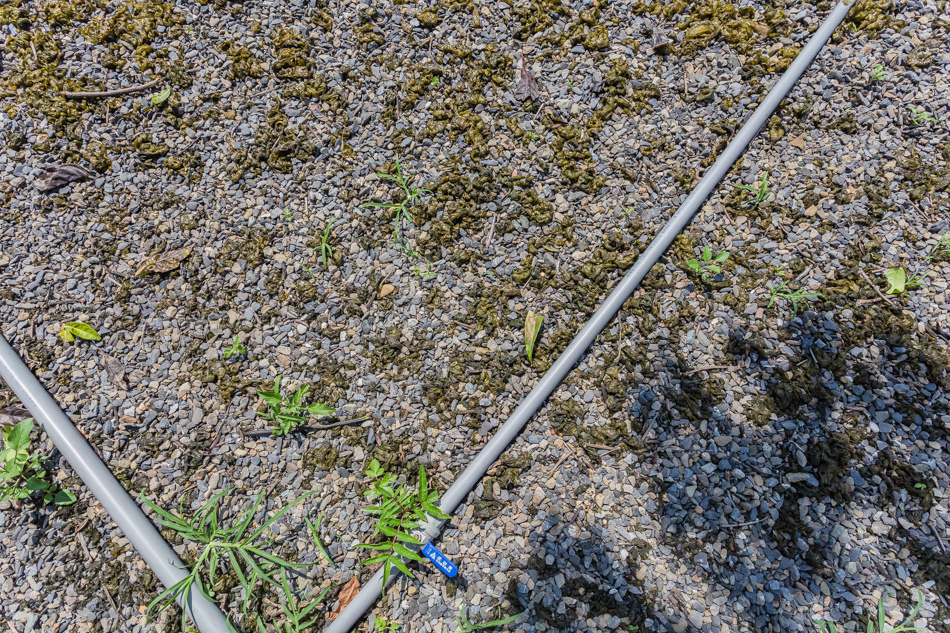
<point>163,263</point>
<point>527,87</point>
<point>52,178</point>
<point>11,416</point>
<point>115,371</point>
<point>346,597</point>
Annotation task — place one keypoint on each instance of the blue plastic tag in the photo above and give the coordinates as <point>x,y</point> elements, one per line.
<point>439,560</point>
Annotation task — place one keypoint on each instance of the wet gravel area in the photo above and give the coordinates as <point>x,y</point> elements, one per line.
<point>717,461</point>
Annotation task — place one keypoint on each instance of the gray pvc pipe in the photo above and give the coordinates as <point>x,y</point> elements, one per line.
<point>156,552</point>
<point>483,461</point>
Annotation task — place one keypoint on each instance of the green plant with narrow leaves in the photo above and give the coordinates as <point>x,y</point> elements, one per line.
<point>780,290</point>
<point>289,413</point>
<point>466,626</point>
<point>759,193</point>
<point>222,551</point>
<point>425,272</point>
<point>410,196</point>
<point>21,471</point>
<point>326,253</point>
<point>401,509</point>
<point>905,625</point>
<point>919,116</point>
<point>77,329</point>
<point>706,263</point>
<point>296,609</point>
<point>235,349</point>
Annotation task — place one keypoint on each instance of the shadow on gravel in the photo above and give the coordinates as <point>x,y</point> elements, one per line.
<point>830,411</point>
<point>574,580</point>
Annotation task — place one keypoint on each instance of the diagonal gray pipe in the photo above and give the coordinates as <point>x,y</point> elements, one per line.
<point>156,552</point>
<point>483,461</point>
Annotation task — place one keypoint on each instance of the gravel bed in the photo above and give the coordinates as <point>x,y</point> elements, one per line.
<point>716,462</point>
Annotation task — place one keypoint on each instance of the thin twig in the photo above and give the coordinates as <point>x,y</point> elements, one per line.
<point>112,93</point>
<point>609,449</point>
<point>871,283</point>
<point>735,525</point>
<point>308,429</point>
<point>709,367</point>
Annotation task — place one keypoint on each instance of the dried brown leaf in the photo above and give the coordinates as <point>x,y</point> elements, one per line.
<point>346,597</point>
<point>53,178</point>
<point>11,416</point>
<point>527,87</point>
<point>163,263</point>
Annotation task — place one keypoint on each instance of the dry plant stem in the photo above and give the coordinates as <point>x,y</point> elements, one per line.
<point>309,429</point>
<point>871,283</point>
<point>708,368</point>
<point>112,93</point>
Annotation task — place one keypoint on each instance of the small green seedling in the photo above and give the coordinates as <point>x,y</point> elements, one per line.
<point>879,73</point>
<point>235,349</point>
<point>826,626</point>
<point>759,193</point>
<point>21,472</point>
<point>942,246</point>
<point>920,486</point>
<point>532,135</point>
<point>408,250</point>
<point>76,329</point>
<point>385,626</point>
<point>287,215</point>
<point>434,81</point>
<point>424,271</point>
<point>296,610</point>
<point>466,626</point>
<point>707,263</point>
<point>532,327</point>
<point>401,509</point>
<point>899,281</point>
<point>160,97</point>
<point>325,252</point>
<point>234,552</point>
<point>919,116</point>
<point>289,413</point>
<point>780,290</point>
<point>411,196</point>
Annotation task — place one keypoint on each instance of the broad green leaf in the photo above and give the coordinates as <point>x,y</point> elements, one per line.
<point>897,278</point>
<point>34,483</point>
<point>64,498</point>
<point>318,408</point>
<point>532,327</point>
<point>75,329</point>
<point>374,470</point>
<point>707,253</point>
<point>694,264</point>
<point>160,97</point>
<point>714,268</point>
<point>721,257</point>
<point>403,551</point>
<point>18,438</point>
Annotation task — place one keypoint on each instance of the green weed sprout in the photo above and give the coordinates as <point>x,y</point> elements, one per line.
<point>401,509</point>
<point>781,290</point>
<point>424,271</point>
<point>222,550</point>
<point>919,116</point>
<point>466,626</point>
<point>411,195</point>
<point>826,626</point>
<point>706,264</point>
<point>899,281</point>
<point>879,73</point>
<point>325,252</point>
<point>759,193</point>
<point>235,349</point>
<point>288,216</point>
<point>21,472</point>
<point>289,413</point>
<point>385,626</point>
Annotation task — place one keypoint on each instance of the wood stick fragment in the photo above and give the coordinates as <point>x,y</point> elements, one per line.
<point>709,367</point>
<point>112,93</point>
<point>308,429</point>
